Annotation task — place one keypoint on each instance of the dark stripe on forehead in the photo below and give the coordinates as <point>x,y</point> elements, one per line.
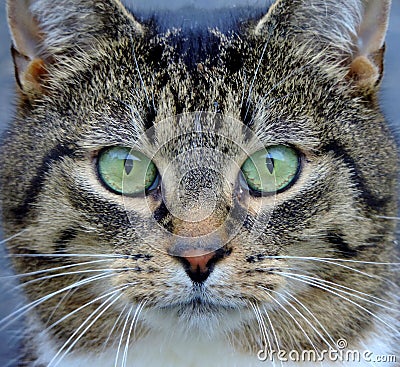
<point>57,153</point>
<point>369,199</point>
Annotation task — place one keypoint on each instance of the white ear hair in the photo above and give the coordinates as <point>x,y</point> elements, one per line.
<point>373,27</point>
<point>353,29</point>
<point>366,68</point>
<point>43,30</point>
<point>24,27</point>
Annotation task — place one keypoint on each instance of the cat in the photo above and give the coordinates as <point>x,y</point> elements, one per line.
<point>177,192</point>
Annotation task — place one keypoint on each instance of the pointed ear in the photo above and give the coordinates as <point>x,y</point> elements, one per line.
<point>27,37</point>
<point>45,32</point>
<point>349,33</point>
<point>366,68</point>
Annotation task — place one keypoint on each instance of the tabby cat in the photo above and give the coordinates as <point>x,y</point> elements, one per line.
<point>201,187</point>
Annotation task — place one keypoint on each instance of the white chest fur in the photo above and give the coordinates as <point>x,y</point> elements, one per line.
<point>158,350</point>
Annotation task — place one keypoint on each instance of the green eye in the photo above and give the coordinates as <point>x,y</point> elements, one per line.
<point>271,170</point>
<point>126,171</point>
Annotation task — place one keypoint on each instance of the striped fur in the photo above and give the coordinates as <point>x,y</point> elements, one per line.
<point>303,269</point>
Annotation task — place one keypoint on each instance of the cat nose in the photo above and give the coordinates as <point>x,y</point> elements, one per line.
<point>199,264</point>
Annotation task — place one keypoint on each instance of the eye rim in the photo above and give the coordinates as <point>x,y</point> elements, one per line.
<point>260,193</point>
<point>154,185</point>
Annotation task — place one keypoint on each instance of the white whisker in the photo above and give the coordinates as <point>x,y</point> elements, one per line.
<point>331,346</point>
<point>114,328</point>
<point>133,323</point>
<point>109,256</point>
<point>13,236</point>
<point>315,284</point>
<point>25,309</point>
<point>312,315</point>
<point>255,77</point>
<point>267,291</point>
<point>21,275</point>
<point>124,286</point>
<point>263,330</point>
<point>122,336</point>
<point>273,332</point>
<point>344,289</point>
<point>110,302</point>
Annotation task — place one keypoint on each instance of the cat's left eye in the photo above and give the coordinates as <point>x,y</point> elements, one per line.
<point>125,171</point>
<point>271,170</point>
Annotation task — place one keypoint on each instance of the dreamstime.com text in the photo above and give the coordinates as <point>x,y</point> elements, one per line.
<point>340,354</point>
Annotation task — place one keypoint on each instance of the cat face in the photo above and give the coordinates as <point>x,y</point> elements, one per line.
<point>205,178</point>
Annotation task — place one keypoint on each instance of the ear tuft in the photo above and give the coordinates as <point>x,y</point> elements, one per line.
<point>49,33</point>
<point>344,33</point>
<point>363,72</point>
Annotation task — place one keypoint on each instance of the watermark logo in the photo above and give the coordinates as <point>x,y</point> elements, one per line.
<point>339,353</point>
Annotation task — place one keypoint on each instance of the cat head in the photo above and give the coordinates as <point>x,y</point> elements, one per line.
<point>203,175</point>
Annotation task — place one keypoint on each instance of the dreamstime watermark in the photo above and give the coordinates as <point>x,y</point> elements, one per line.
<point>338,354</point>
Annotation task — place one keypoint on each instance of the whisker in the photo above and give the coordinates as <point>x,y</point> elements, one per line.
<point>312,315</point>
<point>337,286</point>
<point>121,288</point>
<point>329,259</point>
<point>333,261</point>
<point>263,330</point>
<point>255,77</point>
<point>25,309</point>
<point>306,320</point>
<point>108,270</point>
<point>113,328</point>
<point>133,323</point>
<point>122,336</point>
<point>32,273</point>
<point>13,236</point>
<point>343,297</point>
<point>267,291</point>
<point>244,84</point>
<point>273,332</point>
<point>110,302</point>
<point>68,294</point>
<point>140,74</point>
<point>109,256</point>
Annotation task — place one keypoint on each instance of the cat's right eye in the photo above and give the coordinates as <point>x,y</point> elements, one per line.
<point>125,171</point>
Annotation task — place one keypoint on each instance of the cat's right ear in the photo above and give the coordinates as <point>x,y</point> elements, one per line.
<point>27,37</point>
<point>46,32</point>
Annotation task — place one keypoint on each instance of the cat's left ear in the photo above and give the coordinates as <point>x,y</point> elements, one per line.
<point>366,67</point>
<point>348,33</point>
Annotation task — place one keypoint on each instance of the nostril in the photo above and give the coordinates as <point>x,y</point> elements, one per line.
<point>199,265</point>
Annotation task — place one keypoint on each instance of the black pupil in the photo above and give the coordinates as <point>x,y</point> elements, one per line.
<point>128,165</point>
<point>270,163</point>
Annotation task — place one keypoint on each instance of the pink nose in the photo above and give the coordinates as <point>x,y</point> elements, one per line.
<point>197,261</point>
<point>199,264</point>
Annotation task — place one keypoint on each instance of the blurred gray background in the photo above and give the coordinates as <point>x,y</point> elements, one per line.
<point>9,299</point>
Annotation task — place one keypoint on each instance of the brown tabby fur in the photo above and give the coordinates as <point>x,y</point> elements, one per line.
<point>107,79</point>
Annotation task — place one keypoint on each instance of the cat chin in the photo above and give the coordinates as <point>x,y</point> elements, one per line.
<point>201,322</point>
